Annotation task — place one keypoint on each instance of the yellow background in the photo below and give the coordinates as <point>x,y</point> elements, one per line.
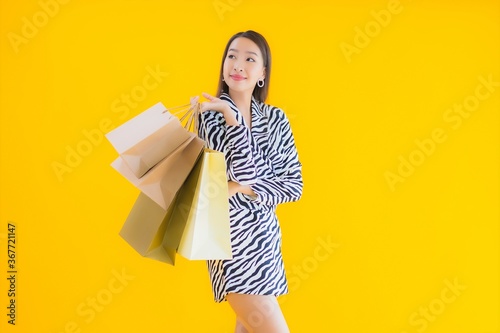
<point>395,249</point>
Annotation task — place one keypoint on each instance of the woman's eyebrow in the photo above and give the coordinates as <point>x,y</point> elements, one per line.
<point>235,50</point>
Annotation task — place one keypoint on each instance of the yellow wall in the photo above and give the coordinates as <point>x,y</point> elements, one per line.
<point>396,125</point>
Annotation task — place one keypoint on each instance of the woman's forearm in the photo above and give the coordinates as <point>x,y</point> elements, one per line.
<point>235,187</point>
<point>229,117</point>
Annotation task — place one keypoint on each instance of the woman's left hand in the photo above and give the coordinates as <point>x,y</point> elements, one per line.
<point>234,187</point>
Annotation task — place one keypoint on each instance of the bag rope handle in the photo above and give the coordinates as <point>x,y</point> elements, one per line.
<point>192,112</point>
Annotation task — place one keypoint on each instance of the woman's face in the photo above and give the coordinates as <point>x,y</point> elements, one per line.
<point>243,65</point>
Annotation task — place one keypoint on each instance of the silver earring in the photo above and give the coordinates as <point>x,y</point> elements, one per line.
<point>260,83</point>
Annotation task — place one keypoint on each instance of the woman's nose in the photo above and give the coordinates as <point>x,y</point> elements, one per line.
<point>238,68</point>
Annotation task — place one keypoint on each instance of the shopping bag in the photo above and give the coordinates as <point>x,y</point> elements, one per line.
<point>148,138</point>
<point>195,225</point>
<point>144,230</point>
<point>183,206</point>
<point>162,182</point>
<point>202,210</point>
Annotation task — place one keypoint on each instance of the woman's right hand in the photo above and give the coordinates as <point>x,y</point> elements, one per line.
<point>217,104</point>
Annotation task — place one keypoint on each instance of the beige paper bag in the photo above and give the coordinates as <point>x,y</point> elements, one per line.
<point>145,228</point>
<point>195,225</point>
<point>162,182</point>
<point>203,206</point>
<point>148,138</point>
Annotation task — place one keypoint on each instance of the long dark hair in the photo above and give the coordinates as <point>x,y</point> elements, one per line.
<point>259,94</point>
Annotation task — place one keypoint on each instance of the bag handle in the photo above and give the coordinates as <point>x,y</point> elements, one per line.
<point>191,114</point>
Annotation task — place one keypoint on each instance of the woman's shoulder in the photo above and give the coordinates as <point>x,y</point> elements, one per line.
<point>273,111</point>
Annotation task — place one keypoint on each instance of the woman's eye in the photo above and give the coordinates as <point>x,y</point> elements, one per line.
<point>251,60</point>
<point>231,56</point>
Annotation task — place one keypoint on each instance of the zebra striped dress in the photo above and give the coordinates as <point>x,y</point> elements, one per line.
<point>264,157</point>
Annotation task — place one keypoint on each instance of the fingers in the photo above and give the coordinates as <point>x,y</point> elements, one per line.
<point>209,97</point>
<point>213,103</point>
<point>210,104</point>
<point>231,188</point>
<point>204,107</point>
<point>194,100</point>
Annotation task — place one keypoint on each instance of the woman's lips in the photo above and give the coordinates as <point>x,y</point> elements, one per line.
<point>237,77</point>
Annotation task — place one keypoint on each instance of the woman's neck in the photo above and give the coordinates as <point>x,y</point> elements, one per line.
<point>242,100</point>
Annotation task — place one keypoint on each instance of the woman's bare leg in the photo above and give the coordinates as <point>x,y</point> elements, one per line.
<point>258,314</point>
<point>240,328</point>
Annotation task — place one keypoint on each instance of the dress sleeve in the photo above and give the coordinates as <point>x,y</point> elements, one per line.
<point>211,128</point>
<point>234,142</point>
<point>286,184</point>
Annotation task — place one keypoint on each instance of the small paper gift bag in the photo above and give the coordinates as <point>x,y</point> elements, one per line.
<point>203,207</point>
<point>162,182</point>
<point>148,138</point>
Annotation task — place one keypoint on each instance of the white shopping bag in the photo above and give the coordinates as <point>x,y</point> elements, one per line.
<point>148,138</point>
